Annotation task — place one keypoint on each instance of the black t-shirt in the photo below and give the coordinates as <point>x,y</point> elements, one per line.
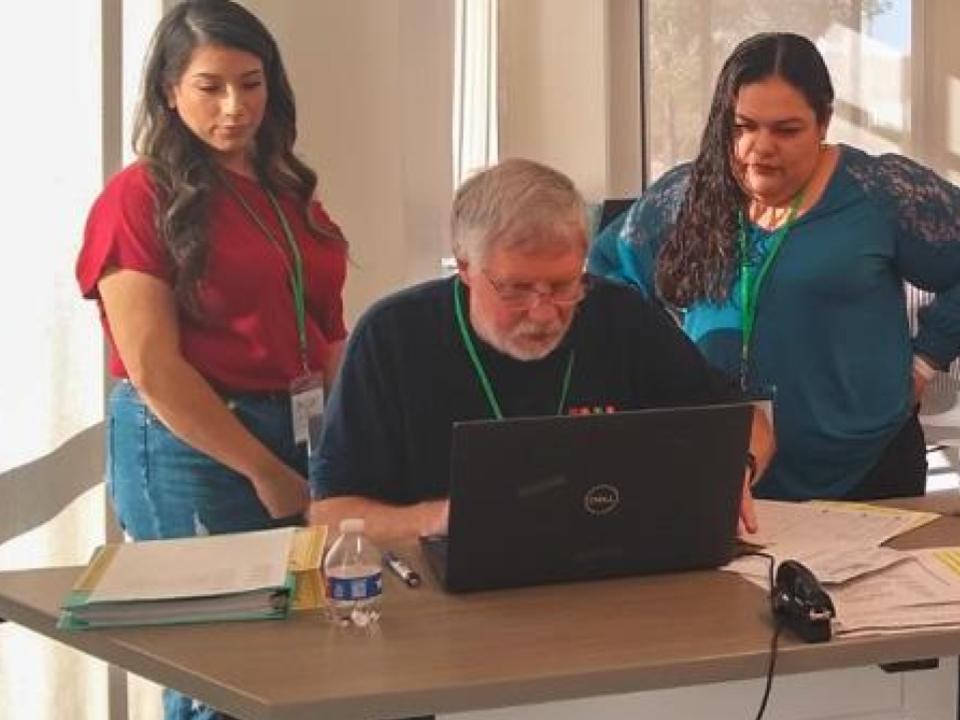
<point>406,377</point>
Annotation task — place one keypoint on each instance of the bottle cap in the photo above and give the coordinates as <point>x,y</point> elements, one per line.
<point>351,525</point>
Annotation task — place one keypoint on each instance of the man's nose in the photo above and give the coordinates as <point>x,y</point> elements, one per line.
<point>543,308</point>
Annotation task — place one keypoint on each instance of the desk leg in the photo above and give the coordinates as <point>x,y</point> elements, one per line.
<point>117,704</point>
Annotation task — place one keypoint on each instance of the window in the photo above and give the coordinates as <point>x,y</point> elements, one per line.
<point>475,88</point>
<point>866,43</point>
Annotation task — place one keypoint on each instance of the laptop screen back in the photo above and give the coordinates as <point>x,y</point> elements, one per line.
<point>547,499</point>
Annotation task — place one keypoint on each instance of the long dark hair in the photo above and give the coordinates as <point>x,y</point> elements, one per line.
<point>698,258</point>
<point>183,169</point>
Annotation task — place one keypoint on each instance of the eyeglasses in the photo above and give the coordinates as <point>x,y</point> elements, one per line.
<point>526,295</point>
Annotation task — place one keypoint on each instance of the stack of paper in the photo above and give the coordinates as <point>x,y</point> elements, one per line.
<point>836,540</point>
<point>874,589</point>
<point>921,592</point>
<point>219,577</point>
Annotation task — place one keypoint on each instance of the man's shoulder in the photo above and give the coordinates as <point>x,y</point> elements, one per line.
<point>618,310</point>
<point>410,310</point>
<point>609,298</point>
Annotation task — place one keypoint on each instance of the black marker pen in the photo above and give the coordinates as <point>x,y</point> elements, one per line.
<point>403,571</point>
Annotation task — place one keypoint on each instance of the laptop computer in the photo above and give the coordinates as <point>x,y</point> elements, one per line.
<point>550,499</point>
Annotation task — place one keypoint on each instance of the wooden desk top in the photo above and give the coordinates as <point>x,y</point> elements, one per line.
<point>435,652</point>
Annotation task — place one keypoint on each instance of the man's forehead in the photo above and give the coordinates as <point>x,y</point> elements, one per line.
<point>547,255</point>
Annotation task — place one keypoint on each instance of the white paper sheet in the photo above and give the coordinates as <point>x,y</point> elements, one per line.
<point>192,567</point>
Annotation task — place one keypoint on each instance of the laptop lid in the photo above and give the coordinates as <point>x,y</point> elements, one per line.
<point>547,499</point>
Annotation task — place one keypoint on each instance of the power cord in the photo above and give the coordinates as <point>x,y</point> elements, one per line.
<point>777,629</point>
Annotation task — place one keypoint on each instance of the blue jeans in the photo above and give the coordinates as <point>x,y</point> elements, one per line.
<point>160,487</point>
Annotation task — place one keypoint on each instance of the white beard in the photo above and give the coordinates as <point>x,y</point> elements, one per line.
<point>527,341</point>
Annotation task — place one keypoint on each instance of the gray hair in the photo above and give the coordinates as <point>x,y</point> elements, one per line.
<point>512,203</point>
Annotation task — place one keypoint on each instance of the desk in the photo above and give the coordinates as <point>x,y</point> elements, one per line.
<point>439,653</point>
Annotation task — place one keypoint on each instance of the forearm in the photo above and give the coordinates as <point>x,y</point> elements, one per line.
<point>383,520</point>
<point>142,313</point>
<point>186,403</point>
<point>762,441</point>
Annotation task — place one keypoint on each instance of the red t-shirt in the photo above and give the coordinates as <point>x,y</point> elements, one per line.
<point>248,338</point>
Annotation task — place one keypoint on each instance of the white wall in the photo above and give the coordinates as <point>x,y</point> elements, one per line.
<point>570,90</point>
<point>374,87</point>
<point>553,87</point>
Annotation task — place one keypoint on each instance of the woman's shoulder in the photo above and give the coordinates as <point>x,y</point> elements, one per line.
<point>660,203</point>
<point>131,186</point>
<point>657,208</point>
<point>912,196</point>
<point>886,172</point>
<point>670,187</point>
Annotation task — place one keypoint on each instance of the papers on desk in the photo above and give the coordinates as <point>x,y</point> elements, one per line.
<point>836,540</point>
<point>923,591</point>
<point>236,576</point>
<point>874,589</point>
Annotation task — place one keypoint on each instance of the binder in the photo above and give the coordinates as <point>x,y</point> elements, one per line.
<point>238,576</point>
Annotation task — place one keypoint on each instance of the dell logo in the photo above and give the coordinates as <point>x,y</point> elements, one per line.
<point>601,499</point>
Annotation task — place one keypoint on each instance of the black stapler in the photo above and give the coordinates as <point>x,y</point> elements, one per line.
<point>801,602</point>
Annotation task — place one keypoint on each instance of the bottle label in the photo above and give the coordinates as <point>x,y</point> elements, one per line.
<point>354,588</point>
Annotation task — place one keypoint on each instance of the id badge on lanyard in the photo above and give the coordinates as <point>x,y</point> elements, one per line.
<point>306,407</point>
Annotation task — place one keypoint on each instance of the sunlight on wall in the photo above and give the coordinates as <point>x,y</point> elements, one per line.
<point>953,128</point>
<point>38,677</point>
<point>871,82</point>
<point>51,377</point>
<point>50,382</point>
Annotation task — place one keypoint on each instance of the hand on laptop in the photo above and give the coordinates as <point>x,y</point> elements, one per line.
<point>748,514</point>
<point>435,516</point>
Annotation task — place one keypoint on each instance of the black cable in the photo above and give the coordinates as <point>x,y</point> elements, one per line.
<point>770,668</point>
<point>777,628</point>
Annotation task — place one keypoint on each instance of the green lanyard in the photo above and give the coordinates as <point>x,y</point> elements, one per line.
<point>750,286</point>
<point>294,273</point>
<point>478,366</point>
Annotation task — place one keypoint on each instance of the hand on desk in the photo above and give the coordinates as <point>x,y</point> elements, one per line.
<point>384,521</point>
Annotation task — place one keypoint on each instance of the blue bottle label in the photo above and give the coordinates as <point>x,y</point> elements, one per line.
<point>355,588</point>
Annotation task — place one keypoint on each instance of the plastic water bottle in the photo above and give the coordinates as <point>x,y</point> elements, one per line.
<point>352,568</point>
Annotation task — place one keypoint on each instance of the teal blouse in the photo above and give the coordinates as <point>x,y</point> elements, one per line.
<point>831,342</point>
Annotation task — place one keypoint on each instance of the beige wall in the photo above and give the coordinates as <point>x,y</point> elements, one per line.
<point>374,86</point>
<point>938,141</point>
<point>569,89</point>
<point>553,87</point>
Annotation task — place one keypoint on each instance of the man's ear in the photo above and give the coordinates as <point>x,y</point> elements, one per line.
<point>462,266</point>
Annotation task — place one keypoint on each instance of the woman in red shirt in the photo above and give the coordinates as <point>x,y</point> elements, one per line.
<point>218,280</point>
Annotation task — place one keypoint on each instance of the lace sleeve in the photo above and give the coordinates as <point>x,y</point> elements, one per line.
<point>925,212</point>
<point>926,206</point>
<point>627,250</point>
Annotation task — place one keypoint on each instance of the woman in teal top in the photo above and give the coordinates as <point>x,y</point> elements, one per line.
<point>786,258</point>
